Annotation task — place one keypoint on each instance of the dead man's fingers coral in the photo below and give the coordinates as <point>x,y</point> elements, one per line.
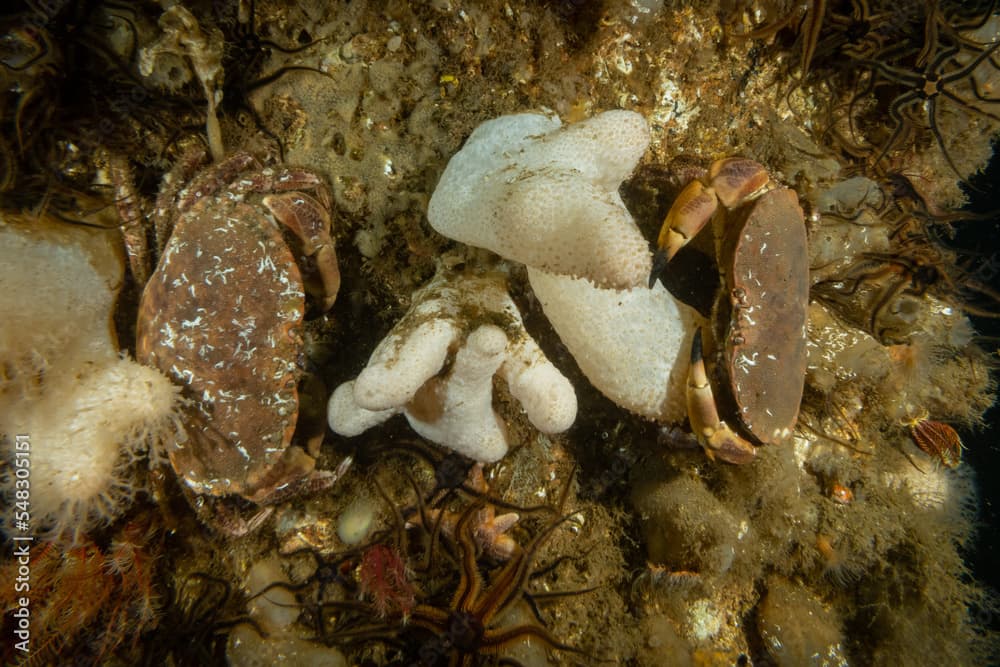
<point>631,344</point>
<point>404,361</point>
<point>547,196</point>
<point>437,365</point>
<point>539,386</point>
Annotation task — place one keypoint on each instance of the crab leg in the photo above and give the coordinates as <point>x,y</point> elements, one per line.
<point>130,210</point>
<point>714,434</point>
<point>730,181</point>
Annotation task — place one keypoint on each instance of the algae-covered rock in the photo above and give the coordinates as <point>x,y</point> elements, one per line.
<point>798,629</point>
<point>686,527</point>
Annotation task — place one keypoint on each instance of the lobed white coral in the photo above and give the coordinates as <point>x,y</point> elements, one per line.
<point>60,283</point>
<point>547,196</point>
<point>632,345</point>
<point>470,320</point>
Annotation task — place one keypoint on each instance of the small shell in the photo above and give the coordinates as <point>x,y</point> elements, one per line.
<point>938,440</point>
<point>841,494</point>
<point>356,521</point>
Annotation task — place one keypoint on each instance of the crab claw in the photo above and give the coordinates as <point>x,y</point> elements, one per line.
<point>731,181</point>
<point>309,220</point>
<point>659,263</point>
<point>692,209</point>
<point>737,179</point>
<point>715,436</point>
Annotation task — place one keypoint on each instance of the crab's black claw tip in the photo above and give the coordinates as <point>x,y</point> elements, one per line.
<point>659,263</point>
<point>696,353</point>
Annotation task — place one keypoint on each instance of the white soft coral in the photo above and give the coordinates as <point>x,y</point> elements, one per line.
<point>84,418</point>
<point>470,321</point>
<point>545,195</point>
<point>633,345</point>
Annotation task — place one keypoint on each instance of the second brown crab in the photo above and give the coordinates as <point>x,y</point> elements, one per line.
<point>222,315</point>
<point>761,314</point>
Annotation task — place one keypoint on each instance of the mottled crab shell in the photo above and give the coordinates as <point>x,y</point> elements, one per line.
<point>222,315</point>
<point>767,284</point>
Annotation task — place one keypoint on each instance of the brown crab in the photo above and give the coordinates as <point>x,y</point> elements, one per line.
<point>760,316</point>
<point>222,315</point>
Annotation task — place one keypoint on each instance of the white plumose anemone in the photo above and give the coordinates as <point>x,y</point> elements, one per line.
<point>87,434</point>
<point>77,412</point>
